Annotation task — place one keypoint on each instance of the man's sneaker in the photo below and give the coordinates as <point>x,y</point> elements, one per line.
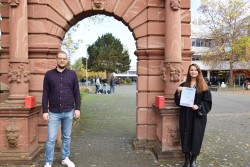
<point>47,165</point>
<point>67,162</point>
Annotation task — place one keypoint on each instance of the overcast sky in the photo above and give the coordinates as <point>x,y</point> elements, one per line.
<point>90,32</point>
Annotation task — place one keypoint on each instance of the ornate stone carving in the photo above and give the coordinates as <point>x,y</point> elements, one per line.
<point>98,4</point>
<point>26,75</point>
<point>173,136</point>
<point>175,4</point>
<point>12,134</point>
<point>164,73</point>
<point>172,72</point>
<point>16,75</point>
<point>13,3</point>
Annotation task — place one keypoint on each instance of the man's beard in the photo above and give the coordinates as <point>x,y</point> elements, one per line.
<point>61,67</point>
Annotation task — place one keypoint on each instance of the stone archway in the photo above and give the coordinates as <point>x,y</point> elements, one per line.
<point>32,32</point>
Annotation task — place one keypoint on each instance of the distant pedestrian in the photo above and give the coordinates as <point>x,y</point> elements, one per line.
<point>112,85</point>
<point>193,119</point>
<point>92,81</point>
<point>104,82</point>
<point>83,80</point>
<point>97,84</point>
<point>61,103</point>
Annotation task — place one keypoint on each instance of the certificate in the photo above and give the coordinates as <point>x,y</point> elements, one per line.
<point>187,96</point>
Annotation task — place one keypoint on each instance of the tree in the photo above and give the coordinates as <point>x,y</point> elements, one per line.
<point>108,54</point>
<point>69,45</point>
<point>80,69</point>
<point>242,48</point>
<point>224,21</point>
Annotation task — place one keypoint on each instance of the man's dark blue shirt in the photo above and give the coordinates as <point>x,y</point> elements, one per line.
<point>60,91</point>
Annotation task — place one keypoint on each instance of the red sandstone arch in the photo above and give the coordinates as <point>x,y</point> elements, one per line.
<point>161,42</point>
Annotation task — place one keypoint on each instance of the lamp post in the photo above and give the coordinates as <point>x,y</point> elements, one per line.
<point>87,56</point>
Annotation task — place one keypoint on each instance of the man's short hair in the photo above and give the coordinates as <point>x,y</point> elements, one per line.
<point>62,52</point>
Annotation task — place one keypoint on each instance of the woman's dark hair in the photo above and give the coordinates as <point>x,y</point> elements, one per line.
<point>201,84</point>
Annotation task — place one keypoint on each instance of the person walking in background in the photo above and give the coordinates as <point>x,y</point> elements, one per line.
<point>104,82</point>
<point>61,103</point>
<point>193,119</point>
<point>97,85</point>
<point>112,85</point>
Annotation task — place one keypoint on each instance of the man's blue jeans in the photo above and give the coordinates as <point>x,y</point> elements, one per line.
<point>55,119</point>
<point>112,89</point>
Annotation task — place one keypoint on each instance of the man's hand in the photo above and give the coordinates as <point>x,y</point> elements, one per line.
<point>77,114</point>
<point>46,116</point>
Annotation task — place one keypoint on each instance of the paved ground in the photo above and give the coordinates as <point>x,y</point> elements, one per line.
<point>103,136</point>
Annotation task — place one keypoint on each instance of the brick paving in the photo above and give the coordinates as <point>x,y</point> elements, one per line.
<point>103,137</point>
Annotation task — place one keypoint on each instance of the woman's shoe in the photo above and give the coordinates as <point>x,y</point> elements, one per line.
<point>193,161</point>
<point>193,164</point>
<point>186,164</point>
<point>187,160</point>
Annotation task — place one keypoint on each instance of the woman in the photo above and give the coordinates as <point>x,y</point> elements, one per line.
<point>193,119</point>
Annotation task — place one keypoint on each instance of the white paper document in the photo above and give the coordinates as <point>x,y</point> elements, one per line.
<point>187,96</point>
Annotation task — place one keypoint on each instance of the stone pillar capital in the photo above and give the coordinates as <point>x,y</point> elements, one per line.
<point>172,72</point>
<point>19,74</point>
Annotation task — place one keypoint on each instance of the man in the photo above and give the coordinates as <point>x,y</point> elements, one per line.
<point>97,85</point>
<point>61,102</point>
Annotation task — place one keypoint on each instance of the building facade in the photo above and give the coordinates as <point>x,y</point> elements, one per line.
<point>220,73</point>
<point>130,74</point>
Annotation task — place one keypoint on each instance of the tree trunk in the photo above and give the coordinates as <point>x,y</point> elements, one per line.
<point>231,74</point>
<point>108,76</point>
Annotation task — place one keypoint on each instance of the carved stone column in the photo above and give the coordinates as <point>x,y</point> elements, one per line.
<point>18,62</point>
<point>18,125</point>
<point>168,139</point>
<point>172,68</point>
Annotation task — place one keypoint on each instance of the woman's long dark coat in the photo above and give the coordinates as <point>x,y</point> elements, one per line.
<point>193,122</point>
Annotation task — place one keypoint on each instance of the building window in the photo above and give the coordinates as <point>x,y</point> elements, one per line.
<point>196,57</point>
<point>208,43</point>
<point>132,72</point>
<point>201,42</point>
<point>193,42</point>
